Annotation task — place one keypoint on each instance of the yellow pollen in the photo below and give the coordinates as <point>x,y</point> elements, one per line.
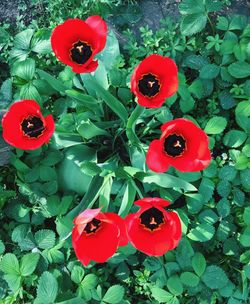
<point>177,144</point>
<point>92,227</point>
<point>151,83</point>
<point>80,47</point>
<point>152,221</point>
<point>30,125</point>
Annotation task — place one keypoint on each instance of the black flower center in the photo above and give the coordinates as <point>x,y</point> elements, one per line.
<point>92,226</point>
<point>32,126</point>
<point>152,219</point>
<point>149,85</point>
<point>174,145</point>
<point>81,52</point>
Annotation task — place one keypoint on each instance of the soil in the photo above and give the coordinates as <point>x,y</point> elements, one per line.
<point>152,10</point>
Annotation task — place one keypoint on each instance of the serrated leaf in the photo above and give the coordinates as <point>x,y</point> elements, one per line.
<point>47,288</point>
<point>192,24</point>
<point>28,263</point>
<point>45,238</point>
<point>189,279</point>
<point>223,207</point>
<point>188,7</point>
<point>234,138</point>
<point>214,277</point>
<point>209,71</point>
<point>202,233</point>
<point>239,69</point>
<point>174,285</point>
<point>22,40</point>
<point>199,263</point>
<point>77,274</point>
<point>114,294</point>
<point>161,295</point>
<point>9,264</point>
<point>216,125</point>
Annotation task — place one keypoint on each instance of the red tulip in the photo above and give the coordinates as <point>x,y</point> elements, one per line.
<point>24,126</point>
<point>154,80</point>
<point>182,145</point>
<point>152,229</point>
<point>96,236</point>
<point>75,42</point>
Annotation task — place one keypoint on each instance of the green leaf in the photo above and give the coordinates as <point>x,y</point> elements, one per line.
<point>206,189</point>
<point>77,274</point>
<point>208,216</point>
<point>245,178</point>
<point>28,263</point>
<point>239,69</point>
<point>6,94</point>
<point>242,113</point>
<point>165,181</point>
<point>246,215</point>
<point>227,173</point>
<point>234,138</point>
<point>47,173</point>
<point>109,55</point>
<point>209,71</point>
<point>13,280</point>
<point>100,75</point>
<point>29,91</point>
<point>202,233</point>
<point>215,125</point>
<point>161,295</point>
<point>87,129</point>
<point>24,69</point>
<point>114,104</point>
<point>22,40</point>
<point>114,294</point>
<point>9,264</point>
<point>47,288</point>
<point>45,238</point>
<point>188,7</point>
<point>2,247</point>
<point>70,175</point>
<point>174,285</point>
<point>127,200</point>
<point>53,82</point>
<point>195,62</point>
<point>192,24</point>
<point>189,279</point>
<point>223,207</point>
<point>85,100</point>
<point>214,277</point>
<point>199,263</point>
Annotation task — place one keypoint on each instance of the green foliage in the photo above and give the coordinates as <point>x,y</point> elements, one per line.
<point>97,158</point>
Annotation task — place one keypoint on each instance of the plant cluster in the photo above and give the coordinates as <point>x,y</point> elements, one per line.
<point>97,158</point>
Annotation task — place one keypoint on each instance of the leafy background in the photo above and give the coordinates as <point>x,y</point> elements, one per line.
<point>97,157</point>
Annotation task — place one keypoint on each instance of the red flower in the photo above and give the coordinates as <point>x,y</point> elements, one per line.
<point>182,145</point>
<point>153,80</point>
<point>75,42</point>
<point>25,128</point>
<point>96,236</point>
<point>152,229</point>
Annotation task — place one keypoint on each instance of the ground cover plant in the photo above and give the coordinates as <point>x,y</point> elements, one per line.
<point>97,157</point>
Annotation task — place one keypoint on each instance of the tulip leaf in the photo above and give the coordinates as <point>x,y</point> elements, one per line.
<point>114,104</point>
<point>165,180</point>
